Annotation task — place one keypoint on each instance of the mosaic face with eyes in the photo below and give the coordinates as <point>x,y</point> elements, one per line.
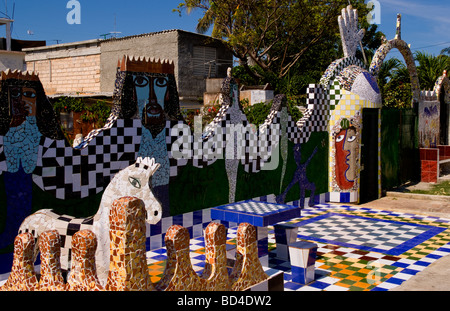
<point>22,104</point>
<point>346,146</point>
<point>152,94</point>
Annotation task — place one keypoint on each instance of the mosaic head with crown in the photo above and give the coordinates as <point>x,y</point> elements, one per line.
<point>146,88</point>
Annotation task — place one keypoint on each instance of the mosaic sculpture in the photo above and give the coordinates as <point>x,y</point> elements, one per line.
<point>26,116</point>
<point>132,181</point>
<point>182,275</point>
<point>147,89</point>
<point>347,88</point>
<point>83,272</point>
<point>22,276</point>
<point>215,273</point>
<point>346,135</point>
<point>128,270</point>
<point>350,34</point>
<point>132,130</point>
<point>247,270</point>
<point>404,49</point>
<point>50,248</point>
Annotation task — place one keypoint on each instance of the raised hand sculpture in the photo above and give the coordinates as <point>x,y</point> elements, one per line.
<point>351,35</point>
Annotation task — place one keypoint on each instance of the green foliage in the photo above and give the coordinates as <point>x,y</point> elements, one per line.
<point>257,113</point>
<point>442,188</point>
<point>397,94</point>
<point>275,35</point>
<point>68,104</point>
<point>96,113</point>
<point>207,113</point>
<point>394,78</point>
<point>430,68</point>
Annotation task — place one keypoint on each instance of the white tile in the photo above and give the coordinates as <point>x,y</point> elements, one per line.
<point>336,288</point>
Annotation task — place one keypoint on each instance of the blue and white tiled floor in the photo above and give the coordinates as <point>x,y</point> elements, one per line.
<point>358,248</point>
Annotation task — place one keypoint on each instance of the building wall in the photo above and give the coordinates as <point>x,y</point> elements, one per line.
<point>90,66</point>
<point>174,45</point>
<point>162,45</point>
<point>67,68</point>
<point>12,60</point>
<point>192,85</point>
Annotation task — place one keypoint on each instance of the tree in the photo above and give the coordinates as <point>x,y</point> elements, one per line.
<point>430,68</point>
<point>275,34</point>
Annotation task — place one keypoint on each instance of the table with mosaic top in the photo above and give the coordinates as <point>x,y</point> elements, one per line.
<point>259,214</point>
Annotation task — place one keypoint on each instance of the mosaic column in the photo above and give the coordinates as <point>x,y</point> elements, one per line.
<point>50,248</point>
<point>22,276</point>
<point>247,270</point>
<point>83,273</point>
<point>128,270</point>
<point>216,272</point>
<point>184,278</point>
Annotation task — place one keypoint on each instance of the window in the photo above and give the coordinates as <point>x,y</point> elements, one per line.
<point>204,62</point>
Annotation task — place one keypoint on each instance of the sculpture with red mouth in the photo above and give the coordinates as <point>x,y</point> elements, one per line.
<point>346,144</point>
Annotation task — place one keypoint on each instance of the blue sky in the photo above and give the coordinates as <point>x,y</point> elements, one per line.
<point>425,23</point>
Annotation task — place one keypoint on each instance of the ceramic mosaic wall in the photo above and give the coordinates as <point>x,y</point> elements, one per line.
<point>230,160</point>
<point>429,124</point>
<point>136,129</point>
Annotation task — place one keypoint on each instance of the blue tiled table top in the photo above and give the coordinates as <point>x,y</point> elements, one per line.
<point>256,213</point>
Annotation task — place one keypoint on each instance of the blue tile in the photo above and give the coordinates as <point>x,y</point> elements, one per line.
<point>410,271</point>
<point>429,232</point>
<point>395,280</point>
<point>217,214</point>
<point>246,218</point>
<point>379,289</point>
<point>400,264</point>
<point>344,197</point>
<point>156,229</point>
<point>422,263</point>
<point>197,217</point>
<point>319,284</point>
<point>231,216</point>
<point>292,286</point>
<point>177,220</point>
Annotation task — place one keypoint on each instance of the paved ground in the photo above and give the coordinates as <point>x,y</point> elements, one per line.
<point>435,277</point>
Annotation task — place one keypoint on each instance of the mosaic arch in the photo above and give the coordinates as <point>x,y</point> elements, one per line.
<point>443,84</point>
<point>405,50</point>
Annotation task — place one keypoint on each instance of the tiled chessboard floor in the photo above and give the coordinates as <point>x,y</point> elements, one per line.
<point>358,248</point>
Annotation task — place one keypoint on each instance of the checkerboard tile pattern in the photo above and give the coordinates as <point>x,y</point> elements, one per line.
<point>345,267</point>
<point>340,267</point>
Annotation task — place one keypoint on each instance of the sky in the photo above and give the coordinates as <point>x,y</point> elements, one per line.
<point>425,23</point>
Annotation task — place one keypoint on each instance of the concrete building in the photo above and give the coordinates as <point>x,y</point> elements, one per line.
<point>89,67</point>
<point>8,58</point>
<point>7,23</point>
